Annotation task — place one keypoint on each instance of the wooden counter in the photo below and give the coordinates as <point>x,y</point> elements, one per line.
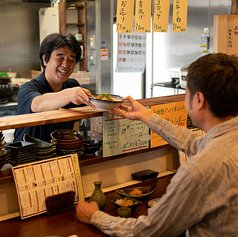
<point>66,224</point>
<point>64,115</point>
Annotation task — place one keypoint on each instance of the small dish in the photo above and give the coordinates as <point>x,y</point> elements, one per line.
<point>124,211</point>
<point>153,202</point>
<point>118,202</point>
<point>106,104</point>
<point>146,192</point>
<point>91,146</point>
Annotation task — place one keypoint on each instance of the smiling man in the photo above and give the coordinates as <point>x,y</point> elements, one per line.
<point>52,89</point>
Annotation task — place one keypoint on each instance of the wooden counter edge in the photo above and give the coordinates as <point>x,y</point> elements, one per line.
<point>74,114</point>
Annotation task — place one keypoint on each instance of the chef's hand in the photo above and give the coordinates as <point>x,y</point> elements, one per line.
<point>137,111</point>
<point>79,95</point>
<point>85,211</point>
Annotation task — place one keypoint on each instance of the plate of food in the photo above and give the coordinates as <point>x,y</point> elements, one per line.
<point>106,101</point>
<point>126,202</point>
<point>139,193</point>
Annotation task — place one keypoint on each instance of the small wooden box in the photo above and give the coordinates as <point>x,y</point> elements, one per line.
<point>225,37</point>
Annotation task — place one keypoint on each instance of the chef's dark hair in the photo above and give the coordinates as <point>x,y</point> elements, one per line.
<point>216,76</point>
<point>55,41</point>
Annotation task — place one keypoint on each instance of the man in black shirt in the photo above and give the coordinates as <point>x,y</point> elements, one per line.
<point>52,89</point>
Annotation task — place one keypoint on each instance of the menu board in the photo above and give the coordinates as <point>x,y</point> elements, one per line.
<point>121,135</point>
<point>161,16</point>
<point>125,12</point>
<point>173,112</point>
<point>38,180</point>
<point>180,8</point>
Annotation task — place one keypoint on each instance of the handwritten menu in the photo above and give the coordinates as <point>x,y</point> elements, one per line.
<point>232,37</point>
<point>173,112</point>
<point>143,16</point>
<point>38,180</point>
<point>131,52</point>
<point>161,16</point>
<point>121,135</point>
<point>180,8</point>
<point>125,15</point>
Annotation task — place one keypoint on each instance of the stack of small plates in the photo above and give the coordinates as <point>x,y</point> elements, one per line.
<point>5,80</point>
<point>44,149</point>
<point>22,152</point>
<point>4,154</point>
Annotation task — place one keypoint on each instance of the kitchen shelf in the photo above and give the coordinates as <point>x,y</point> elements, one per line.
<point>81,26</point>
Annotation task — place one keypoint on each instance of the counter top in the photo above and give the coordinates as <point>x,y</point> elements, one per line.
<point>66,224</point>
<point>63,115</point>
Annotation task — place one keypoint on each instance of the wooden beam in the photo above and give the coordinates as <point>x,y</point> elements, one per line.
<point>234,7</point>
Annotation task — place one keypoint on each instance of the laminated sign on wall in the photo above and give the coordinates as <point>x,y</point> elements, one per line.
<point>131,52</point>
<point>173,112</point>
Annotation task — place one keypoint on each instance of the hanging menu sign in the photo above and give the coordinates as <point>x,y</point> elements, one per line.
<point>143,16</point>
<point>173,112</point>
<point>131,52</point>
<point>180,8</point>
<point>125,14</point>
<point>121,135</point>
<point>161,16</point>
<point>38,180</point>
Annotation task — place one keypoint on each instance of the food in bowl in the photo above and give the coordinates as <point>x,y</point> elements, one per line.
<point>126,202</point>
<point>106,101</point>
<point>129,192</point>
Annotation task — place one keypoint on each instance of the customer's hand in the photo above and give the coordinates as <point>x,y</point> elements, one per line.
<point>137,111</point>
<point>85,211</point>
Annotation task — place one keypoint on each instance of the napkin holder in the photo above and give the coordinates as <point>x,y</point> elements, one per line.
<point>60,202</point>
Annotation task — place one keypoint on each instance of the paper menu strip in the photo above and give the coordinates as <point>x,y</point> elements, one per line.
<point>121,135</point>
<point>125,15</point>
<point>161,16</point>
<point>173,112</point>
<point>180,8</point>
<point>38,180</point>
<point>143,16</point>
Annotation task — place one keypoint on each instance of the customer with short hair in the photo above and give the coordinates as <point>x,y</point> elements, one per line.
<point>203,195</point>
<point>52,89</point>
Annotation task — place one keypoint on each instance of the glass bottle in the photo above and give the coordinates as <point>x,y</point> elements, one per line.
<point>98,195</point>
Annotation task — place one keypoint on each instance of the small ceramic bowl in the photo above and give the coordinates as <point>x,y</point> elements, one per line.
<point>91,146</point>
<point>66,135</point>
<point>106,104</point>
<point>124,211</point>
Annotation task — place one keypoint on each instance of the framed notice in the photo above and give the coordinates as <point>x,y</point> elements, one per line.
<point>121,135</point>
<point>175,113</point>
<point>38,180</point>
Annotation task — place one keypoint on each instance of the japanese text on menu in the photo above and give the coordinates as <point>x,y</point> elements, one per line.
<point>180,15</point>
<point>39,180</point>
<point>125,12</point>
<point>143,16</point>
<point>121,135</point>
<point>161,16</point>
